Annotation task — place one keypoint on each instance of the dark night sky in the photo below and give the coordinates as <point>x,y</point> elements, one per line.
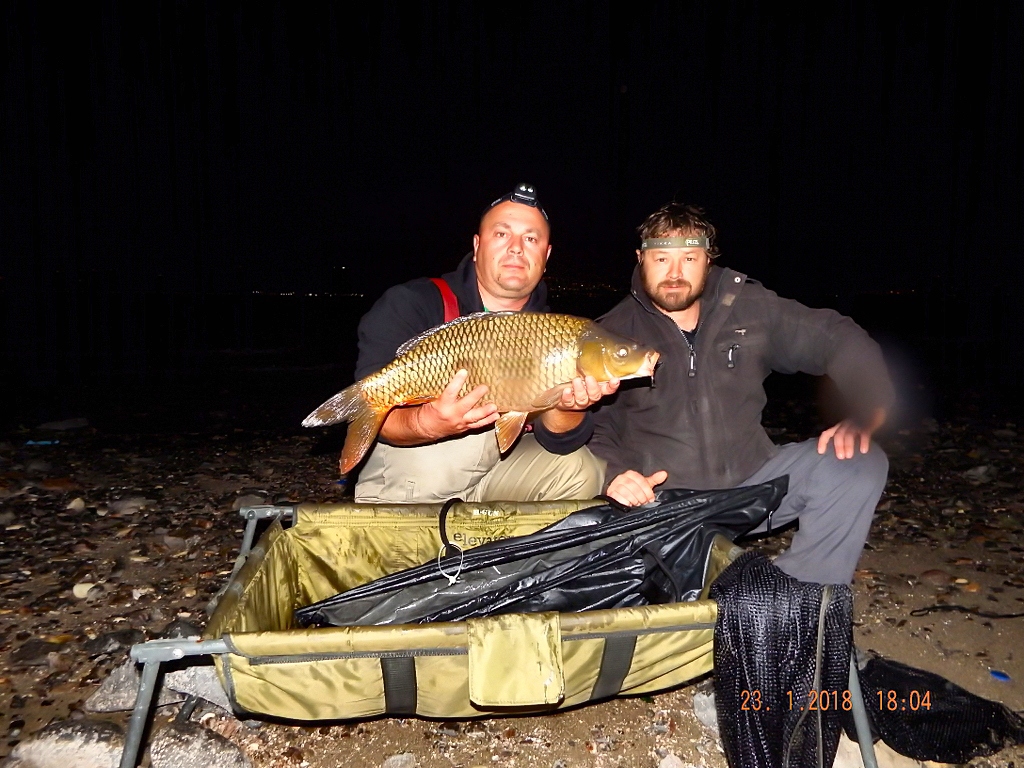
<point>156,149</point>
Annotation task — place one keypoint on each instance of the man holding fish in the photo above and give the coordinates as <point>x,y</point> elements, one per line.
<point>450,369</point>
<point>721,334</point>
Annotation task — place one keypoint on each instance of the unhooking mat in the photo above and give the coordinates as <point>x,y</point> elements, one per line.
<point>602,557</point>
<point>497,664</point>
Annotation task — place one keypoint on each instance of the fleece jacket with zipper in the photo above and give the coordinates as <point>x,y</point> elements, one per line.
<point>701,420</point>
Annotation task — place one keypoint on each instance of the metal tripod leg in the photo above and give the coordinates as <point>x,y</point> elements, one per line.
<point>860,716</point>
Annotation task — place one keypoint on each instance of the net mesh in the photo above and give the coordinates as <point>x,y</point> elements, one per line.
<point>779,680</point>
<point>926,717</point>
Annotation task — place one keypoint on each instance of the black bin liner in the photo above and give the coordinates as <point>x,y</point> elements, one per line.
<point>602,557</point>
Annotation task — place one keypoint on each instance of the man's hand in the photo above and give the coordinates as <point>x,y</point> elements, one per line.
<point>448,415</point>
<point>633,489</point>
<point>452,415</point>
<point>848,434</point>
<point>577,396</point>
<point>580,394</point>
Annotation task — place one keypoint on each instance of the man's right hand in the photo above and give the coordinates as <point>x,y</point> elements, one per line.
<point>452,415</point>
<point>633,489</point>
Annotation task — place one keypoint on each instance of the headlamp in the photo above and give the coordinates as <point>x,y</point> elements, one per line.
<point>524,194</point>
<point>690,241</point>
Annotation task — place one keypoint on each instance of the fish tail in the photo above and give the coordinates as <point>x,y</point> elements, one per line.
<point>344,406</point>
<point>364,423</point>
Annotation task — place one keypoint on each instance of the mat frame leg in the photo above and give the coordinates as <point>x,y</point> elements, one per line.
<point>151,655</point>
<point>140,714</point>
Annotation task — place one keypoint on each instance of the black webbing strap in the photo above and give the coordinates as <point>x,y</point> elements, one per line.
<point>615,663</point>
<point>399,684</point>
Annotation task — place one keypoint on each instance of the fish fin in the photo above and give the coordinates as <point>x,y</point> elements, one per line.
<point>507,428</point>
<point>362,431</point>
<point>344,406</point>
<point>548,398</point>
<point>415,340</point>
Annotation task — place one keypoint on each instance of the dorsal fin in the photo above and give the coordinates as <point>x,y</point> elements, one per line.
<point>415,340</point>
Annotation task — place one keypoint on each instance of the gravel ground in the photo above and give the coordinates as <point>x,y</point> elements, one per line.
<point>110,536</point>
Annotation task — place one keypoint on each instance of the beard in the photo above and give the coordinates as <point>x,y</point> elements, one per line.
<point>682,297</point>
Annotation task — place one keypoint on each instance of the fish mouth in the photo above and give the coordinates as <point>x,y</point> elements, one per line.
<point>646,367</point>
<point>650,360</point>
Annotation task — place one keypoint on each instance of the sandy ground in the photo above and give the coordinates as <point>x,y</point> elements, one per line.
<point>147,520</point>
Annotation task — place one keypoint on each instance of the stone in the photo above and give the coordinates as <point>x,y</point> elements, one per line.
<point>118,692</point>
<point>78,743</point>
<point>248,500</point>
<point>131,505</point>
<point>980,474</point>
<point>111,642</point>
<point>76,505</point>
<point>936,578</point>
<point>34,652</point>
<point>672,760</point>
<point>704,709</point>
<point>201,681</point>
<point>81,589</point>
<point>180,629</point>
<point>401,760</point>
<point>190,745</point>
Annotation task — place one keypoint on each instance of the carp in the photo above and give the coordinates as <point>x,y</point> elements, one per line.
<point>524,358</point>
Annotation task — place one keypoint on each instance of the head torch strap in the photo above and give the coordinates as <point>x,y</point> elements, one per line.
<point>691,241</point>
<point>524,194</point>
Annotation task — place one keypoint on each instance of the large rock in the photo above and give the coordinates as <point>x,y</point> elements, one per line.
<point>189,745</point>
<point>119,691</point>
<point>78,743</point>
<point>201,681</point>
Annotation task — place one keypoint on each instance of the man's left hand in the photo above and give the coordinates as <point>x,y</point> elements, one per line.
<point>582,393</point>
<point>848,435</point>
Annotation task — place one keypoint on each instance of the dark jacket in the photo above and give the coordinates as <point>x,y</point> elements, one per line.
<point>406,310</point>
<point>705,430</point>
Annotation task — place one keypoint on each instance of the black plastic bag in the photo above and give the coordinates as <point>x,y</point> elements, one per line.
<point>602,557</point>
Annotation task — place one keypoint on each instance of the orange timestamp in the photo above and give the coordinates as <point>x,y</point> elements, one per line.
<point>825,700</point>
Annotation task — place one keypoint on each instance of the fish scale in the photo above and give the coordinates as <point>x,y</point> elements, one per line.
<point>523,358</point>
<point>503,351</point>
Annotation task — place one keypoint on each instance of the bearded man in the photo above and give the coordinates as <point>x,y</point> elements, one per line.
<point>720,334</point>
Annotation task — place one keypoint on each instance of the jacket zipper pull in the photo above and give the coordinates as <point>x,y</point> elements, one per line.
<point>732,348</point>
<point>693,365</point>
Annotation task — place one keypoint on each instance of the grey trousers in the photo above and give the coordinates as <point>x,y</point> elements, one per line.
<point>834,500</point>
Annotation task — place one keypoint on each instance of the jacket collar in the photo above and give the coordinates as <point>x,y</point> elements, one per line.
<point>463,284</point>
<point>722,282</point>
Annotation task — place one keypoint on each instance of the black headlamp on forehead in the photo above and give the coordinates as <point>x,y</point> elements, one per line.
<point>524,194</point>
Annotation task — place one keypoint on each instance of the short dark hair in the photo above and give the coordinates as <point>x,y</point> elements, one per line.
<point>679,218</point>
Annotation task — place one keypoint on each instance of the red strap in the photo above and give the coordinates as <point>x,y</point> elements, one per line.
<point>451,304</point>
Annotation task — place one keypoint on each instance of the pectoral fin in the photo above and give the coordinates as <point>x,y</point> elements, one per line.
<point>507,428</point>
<point>548,398</point>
